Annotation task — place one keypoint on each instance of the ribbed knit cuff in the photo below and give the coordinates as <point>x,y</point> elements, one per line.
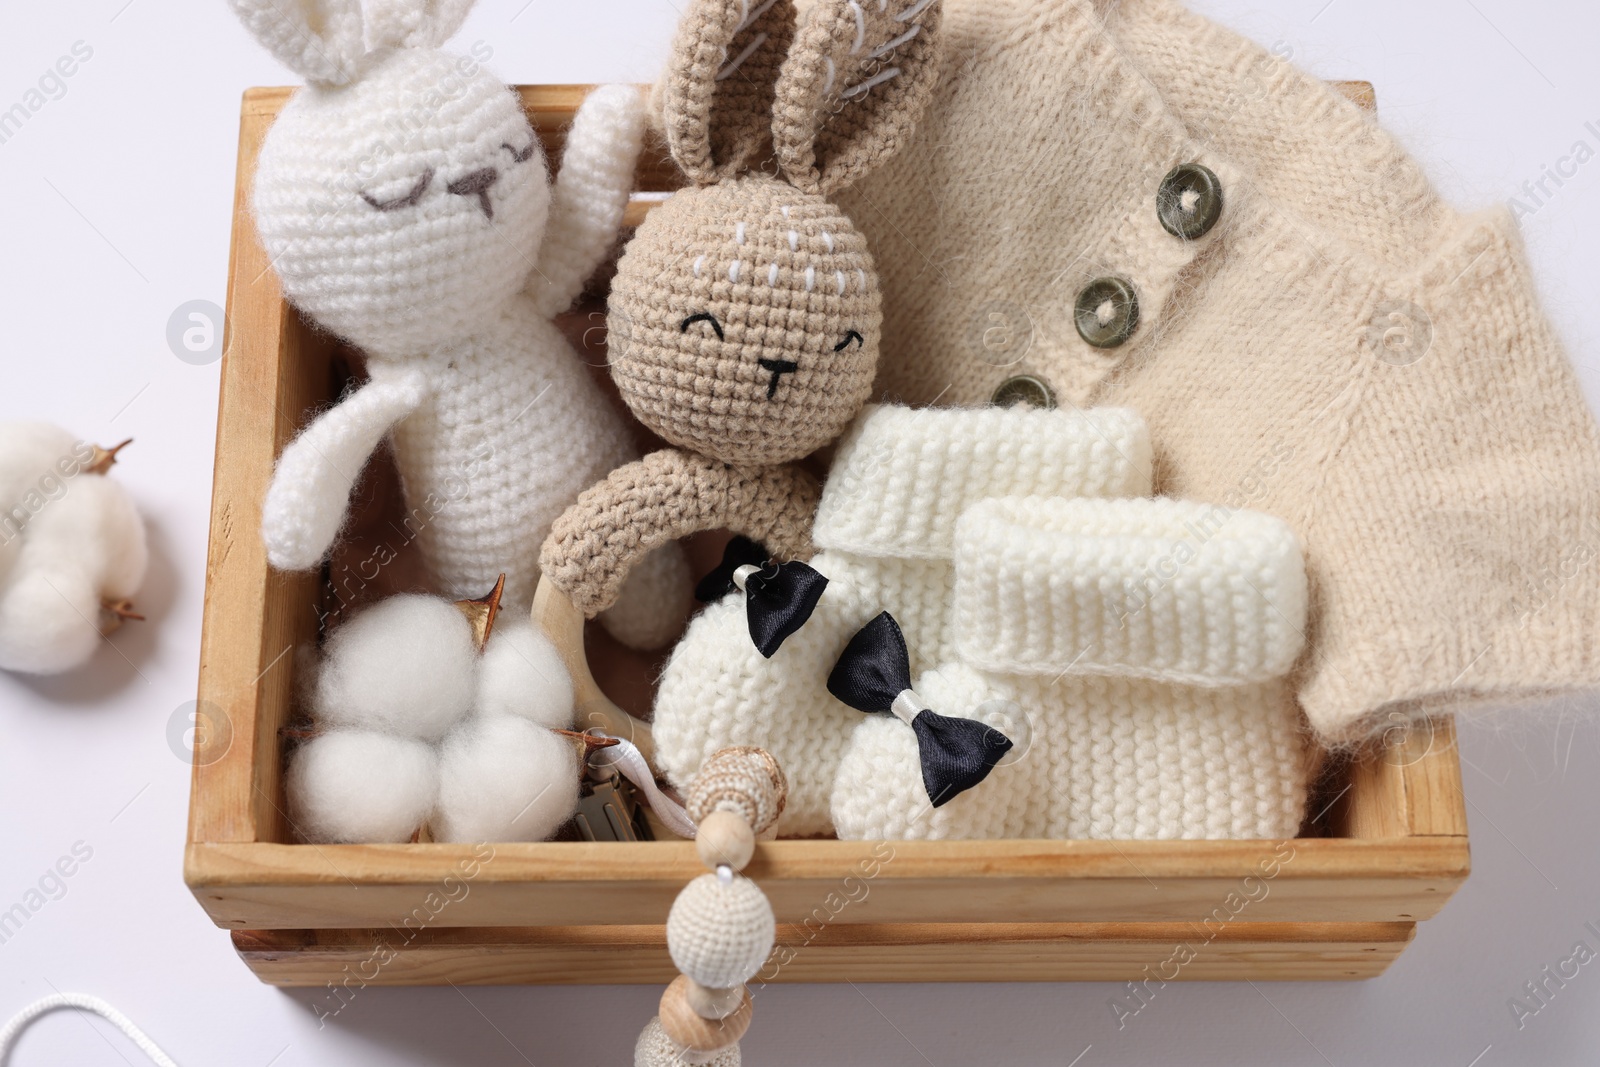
<point>903,475</point>
<point>1171,590</point>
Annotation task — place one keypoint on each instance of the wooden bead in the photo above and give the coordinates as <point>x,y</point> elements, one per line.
<point>725,838</point>
<point>711,1003</point>
<point>689,1030</point>
<point>745,781</point>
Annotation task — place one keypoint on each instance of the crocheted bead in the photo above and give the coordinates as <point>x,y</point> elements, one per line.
<point>694,1032</point>
<point>725,839</point>
<point>744,780</point>
<point>656,1049</point>
<point>720,932</point>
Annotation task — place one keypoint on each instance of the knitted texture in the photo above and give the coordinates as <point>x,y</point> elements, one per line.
<point>786,279</point>
<point>923,466</point>
<point>656,1049</point>
<point>1164,589</point>
<point>388,195</point>
<point>1343,350</point>
<point>665,496</point>
<point>1111,758</point>
<point>720,932</point>
<point>745,781</point>
<point>713,125</point>
<point>903,476</point>
<point>1194,614</point>
<point>856,80</point>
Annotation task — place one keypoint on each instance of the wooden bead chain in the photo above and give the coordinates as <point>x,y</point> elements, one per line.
<point>721,928</point>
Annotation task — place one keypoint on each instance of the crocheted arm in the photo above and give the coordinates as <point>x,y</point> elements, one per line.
<point>590,196</point>
<point>310,489</point>
<point>665,496</point>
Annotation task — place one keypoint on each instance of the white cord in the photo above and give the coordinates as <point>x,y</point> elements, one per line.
<point>626,757</point>
<point>20,1021</point>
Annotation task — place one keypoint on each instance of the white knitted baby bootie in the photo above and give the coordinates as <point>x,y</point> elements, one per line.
<point>1146,642</point>
<point>885,530</point>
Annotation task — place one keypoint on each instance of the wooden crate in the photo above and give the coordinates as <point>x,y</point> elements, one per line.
<point>1386,850</point>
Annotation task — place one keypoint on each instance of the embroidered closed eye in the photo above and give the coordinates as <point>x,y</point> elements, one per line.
<point>860,341</point>
<point>408,200</point>
<point>524,155</point>
<point>704,316</point>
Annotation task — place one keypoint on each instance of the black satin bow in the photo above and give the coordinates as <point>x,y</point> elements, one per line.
<point>779,598</point>
<point>874,671</point>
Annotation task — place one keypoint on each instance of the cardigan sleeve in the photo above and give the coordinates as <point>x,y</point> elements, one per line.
<point>1458,544</point>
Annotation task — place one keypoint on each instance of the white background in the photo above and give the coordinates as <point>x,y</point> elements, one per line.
<point>116,210</point>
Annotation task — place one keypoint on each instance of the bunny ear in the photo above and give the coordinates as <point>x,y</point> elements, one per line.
<point>320,40</point>
<point>717,95</point>
<point>415,23</point>
<point>855,84</point>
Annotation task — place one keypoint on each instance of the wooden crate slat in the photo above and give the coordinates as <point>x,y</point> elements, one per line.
<point>291,886</point>
<point>897,952</point>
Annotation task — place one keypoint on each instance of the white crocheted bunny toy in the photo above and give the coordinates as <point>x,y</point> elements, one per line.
<point>406,205</point>
<point>1132,650</point>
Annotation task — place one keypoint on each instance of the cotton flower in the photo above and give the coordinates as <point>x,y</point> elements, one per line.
<point>72,549</point>
<point>415,725</point>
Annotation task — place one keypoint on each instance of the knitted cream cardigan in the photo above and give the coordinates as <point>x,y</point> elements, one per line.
<point>1343,350</point>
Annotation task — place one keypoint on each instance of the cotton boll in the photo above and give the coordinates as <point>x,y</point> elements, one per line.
<point>10,548</point>
<point>127,552</point>
<point>48,619</point>
<point>504,779</point>
<point>407,665</point>
<point>358,787</point>
<point>521,674</point>
<point>32,452</point>
<point>95,528</point>
<point>70,540</point>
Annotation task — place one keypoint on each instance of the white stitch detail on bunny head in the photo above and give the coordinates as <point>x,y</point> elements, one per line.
<point>839,274</point>
<point>726,72</point>
<point>772,275</point>
<point>698,264</point>
<point>827,83</point>
<point>811,278</point>
<point>738,233</point>
<point>733,272</point>
<point>794,241</point>
<point>861,276</point>
<point>861,27</point>
<point>827,239</point>
<point>875,80</point>
<point>889,46</point>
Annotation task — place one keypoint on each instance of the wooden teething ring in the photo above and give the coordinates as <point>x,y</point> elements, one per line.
<point>563,624</point>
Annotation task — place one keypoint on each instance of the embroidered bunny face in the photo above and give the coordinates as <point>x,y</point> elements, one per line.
<point>745,321</point>
<point>745,317</point>
<point>395,208</point>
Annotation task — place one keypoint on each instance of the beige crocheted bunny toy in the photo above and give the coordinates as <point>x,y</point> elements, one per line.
<point>745,317</point>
